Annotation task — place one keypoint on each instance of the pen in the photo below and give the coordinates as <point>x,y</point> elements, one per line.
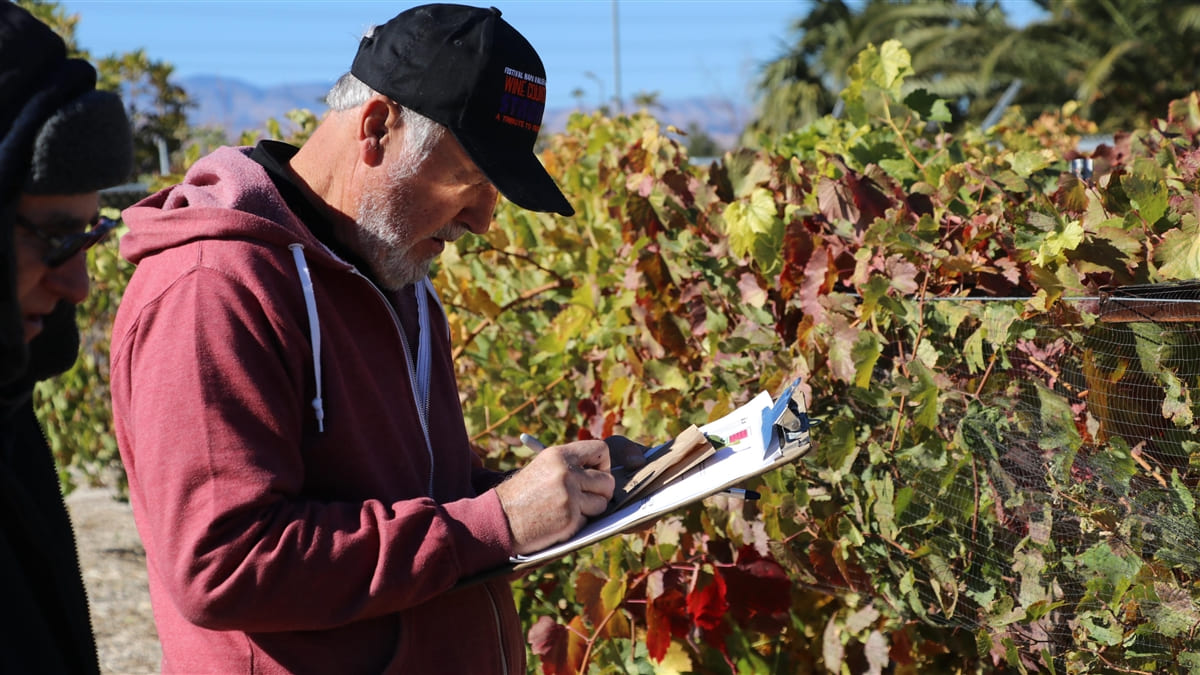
<point>532,443</point>
<point>744,494</point>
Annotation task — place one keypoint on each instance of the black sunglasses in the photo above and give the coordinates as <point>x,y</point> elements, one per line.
<point>62,247</point>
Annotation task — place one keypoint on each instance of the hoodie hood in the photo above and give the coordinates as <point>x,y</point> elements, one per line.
<point>225,195</point>
<point>229,196</point>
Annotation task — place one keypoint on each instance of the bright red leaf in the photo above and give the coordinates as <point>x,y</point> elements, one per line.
<point>666,616</point>
<point>708,605</point>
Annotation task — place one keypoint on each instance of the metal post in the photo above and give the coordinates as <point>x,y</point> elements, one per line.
<point>164,162</point>
<point>616,57</point>
<point>997,110</point>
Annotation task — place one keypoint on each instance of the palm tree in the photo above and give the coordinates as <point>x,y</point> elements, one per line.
<point>156,106</point>
<point>947,40</point>
<point>1123,60</point>
<point>795,94</point>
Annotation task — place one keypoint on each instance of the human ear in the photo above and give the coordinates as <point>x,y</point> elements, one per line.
<point>372,129</point>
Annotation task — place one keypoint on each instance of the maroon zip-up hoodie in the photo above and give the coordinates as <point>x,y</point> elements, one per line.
<point>273,545</point>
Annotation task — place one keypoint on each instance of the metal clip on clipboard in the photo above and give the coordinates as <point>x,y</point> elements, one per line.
<point>789,419</point>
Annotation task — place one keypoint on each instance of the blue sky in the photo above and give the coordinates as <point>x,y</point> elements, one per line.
<point>678,48</point>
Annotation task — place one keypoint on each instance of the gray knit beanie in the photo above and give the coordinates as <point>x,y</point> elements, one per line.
<point>86,145</point>
<point>58,136</point>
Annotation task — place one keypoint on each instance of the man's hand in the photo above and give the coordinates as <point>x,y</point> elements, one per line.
<point>549,499</point>
<point>626,453</point>
<point>553,496</point>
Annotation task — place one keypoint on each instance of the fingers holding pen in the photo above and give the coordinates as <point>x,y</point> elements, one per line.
<point>595,489</point>
<point>588,477</point>
<point>589,459</point>
<point>587,455</point>
<point>562,486</point>
<point>551,498</point>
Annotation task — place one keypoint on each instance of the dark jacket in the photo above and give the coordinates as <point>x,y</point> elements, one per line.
<point>47,628</point>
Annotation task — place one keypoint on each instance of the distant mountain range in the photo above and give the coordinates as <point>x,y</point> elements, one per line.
<point>236,106</point>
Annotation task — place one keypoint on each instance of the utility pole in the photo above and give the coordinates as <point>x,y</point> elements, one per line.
<point>616,57</point>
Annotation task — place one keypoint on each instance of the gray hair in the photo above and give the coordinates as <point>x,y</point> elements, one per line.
<point>420,132</point>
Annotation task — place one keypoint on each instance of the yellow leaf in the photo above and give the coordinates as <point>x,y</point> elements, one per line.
<point>676,661</point>
<point>752,223</point>
<point>478,301</point>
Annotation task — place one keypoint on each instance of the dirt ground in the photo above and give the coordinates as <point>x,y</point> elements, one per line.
<point>114,571</point>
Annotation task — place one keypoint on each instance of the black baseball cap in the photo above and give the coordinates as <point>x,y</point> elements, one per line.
<point>469,70</point>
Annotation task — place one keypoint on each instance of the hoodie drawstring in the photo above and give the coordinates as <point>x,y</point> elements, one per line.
<point>314,327</point>
<point>423,290</point>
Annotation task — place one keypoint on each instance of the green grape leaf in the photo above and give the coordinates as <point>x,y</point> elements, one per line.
<point>1178,255</point>
<point>1146,187</point>
<point>928,106</point>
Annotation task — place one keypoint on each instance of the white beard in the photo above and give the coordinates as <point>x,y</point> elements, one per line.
<point>385,240</point>
<point>385,234</point>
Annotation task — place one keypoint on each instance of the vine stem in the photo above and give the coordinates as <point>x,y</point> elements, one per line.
<point>512,254</point>
<point>987,373</point>
<point>1121,669</point>
<point>899,421</point>
<point>887,116</point>
<point>897,545</point>
<point>591,642</point>
<point>974,514</point>
<point>1136,454</point>
<point>519,300</point>
<point>510,414</point>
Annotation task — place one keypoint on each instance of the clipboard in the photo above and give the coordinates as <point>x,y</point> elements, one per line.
<point>776,433</point>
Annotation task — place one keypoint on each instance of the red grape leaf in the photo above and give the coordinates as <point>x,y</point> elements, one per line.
<point>708,605</point>
<point>548,639</point>
<point>666,616</point>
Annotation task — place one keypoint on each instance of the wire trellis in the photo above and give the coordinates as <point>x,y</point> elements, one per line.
<point>1054,499</point>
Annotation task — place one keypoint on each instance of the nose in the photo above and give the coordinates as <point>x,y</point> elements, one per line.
<point>69,280</point>
<point>479,216</point>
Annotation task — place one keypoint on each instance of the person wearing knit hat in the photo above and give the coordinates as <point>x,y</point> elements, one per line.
<point>62,141</point>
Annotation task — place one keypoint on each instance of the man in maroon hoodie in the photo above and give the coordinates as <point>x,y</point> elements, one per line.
<point>284,396</point>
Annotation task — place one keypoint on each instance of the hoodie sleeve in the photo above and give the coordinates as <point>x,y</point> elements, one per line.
<point>210,414</point>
